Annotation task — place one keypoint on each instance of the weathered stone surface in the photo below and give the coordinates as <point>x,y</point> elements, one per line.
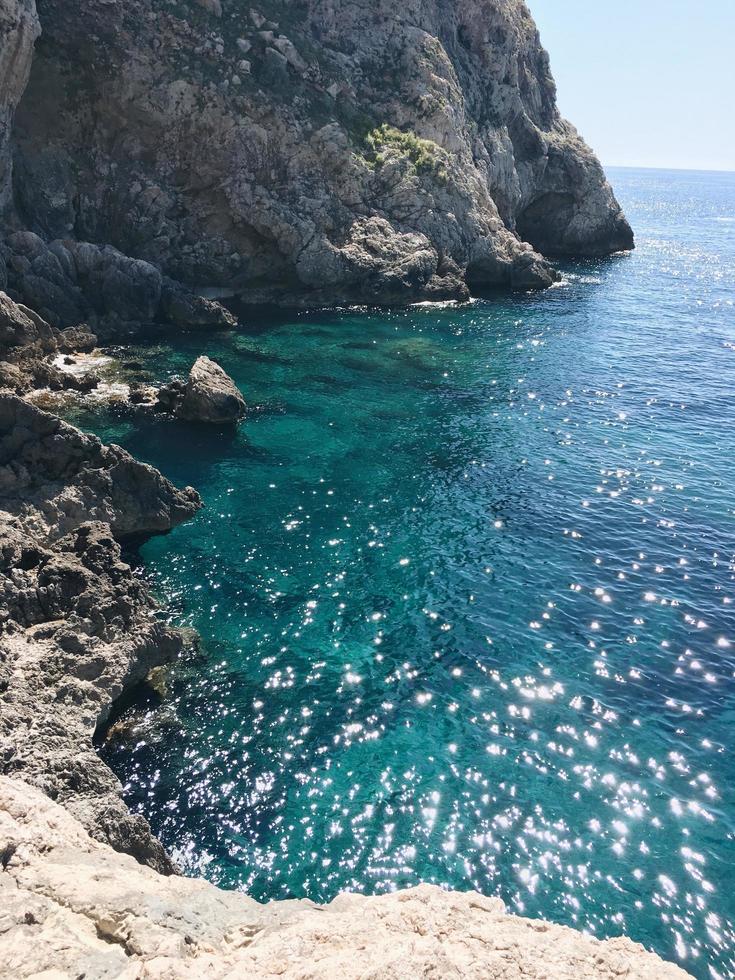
<point>364,153</point>
<point>54,477</point>
<point>19,28</point>
<point>75,631</point>
<point>11,377</point>
<point>77,340</point>
<point>186,309</point>
<point>27,345</point>
<point>208,395</point>
<point>71,283</point>
<point>76,627</point>
<point>213,6</point>
<point>71,906</point>
<point>20,327</point>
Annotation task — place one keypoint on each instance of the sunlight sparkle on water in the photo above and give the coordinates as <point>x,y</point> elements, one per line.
<point>465,585</point>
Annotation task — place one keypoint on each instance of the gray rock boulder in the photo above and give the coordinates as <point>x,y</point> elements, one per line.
<point>12,378</point>
<point>27,344</point>
<point>185,309</point>
<point>21,327</point>
<point>209,395</point>
<point>77,340</point>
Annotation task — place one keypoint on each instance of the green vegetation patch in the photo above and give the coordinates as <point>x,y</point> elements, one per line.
<point>425,155</point>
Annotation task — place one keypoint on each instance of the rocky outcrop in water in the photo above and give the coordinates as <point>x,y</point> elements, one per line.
<point>28,350</point>
<point>72,907</point>
<point>77,628</point>
<point>319,151</point>
<point>208,395</point>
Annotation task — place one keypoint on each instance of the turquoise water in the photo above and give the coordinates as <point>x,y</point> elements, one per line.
<point>466,591</point>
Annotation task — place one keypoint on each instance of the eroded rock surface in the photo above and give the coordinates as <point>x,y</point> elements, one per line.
<point>321,151</point>
<point>72,906</point>
<point>208,395</point>
<point>29,345</point>
<point>19,28</point>
<point>77,628</point>
<point>54,478</point>
<point>69,282</point>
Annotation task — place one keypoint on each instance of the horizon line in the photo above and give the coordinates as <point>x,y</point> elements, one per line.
<point>691,170</point>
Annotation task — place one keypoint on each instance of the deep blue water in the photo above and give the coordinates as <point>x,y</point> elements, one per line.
<point>465,585</point>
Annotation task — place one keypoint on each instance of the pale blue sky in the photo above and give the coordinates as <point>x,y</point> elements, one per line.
<point>648,83</point>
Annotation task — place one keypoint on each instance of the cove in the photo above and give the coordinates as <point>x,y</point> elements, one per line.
<point>464,584</point>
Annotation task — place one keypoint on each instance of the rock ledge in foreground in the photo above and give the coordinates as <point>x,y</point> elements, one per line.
<point>74,907</point>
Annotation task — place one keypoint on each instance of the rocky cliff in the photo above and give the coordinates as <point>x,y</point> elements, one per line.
<point>296,150</point>
<point>19,28</point>
<point>77,629</point>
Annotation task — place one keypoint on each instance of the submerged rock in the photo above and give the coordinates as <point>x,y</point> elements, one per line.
<point>209,395</point>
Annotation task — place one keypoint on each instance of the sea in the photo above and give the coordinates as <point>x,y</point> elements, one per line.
<point>465,587</point>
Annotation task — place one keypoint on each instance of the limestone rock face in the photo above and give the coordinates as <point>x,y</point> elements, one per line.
<point>71,906</point>
<point>70,282</point>
<point>77,628</point>
<point>208,395</point>
<point>75,632</point>
<point>362,151</point>
<point>54,478</point>
<point>19,28</point>
<point>27,348</point>
<point>20,327</point>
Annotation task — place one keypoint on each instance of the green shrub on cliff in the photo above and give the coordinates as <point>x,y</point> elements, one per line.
<point>425,155</point>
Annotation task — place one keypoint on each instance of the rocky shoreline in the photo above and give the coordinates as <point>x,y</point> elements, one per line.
<point>72,907</point>
<point>86,887</point>
<point>77,629</point>
<point>343,153</point>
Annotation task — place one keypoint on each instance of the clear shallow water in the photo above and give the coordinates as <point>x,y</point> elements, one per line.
<point>466,588</point>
